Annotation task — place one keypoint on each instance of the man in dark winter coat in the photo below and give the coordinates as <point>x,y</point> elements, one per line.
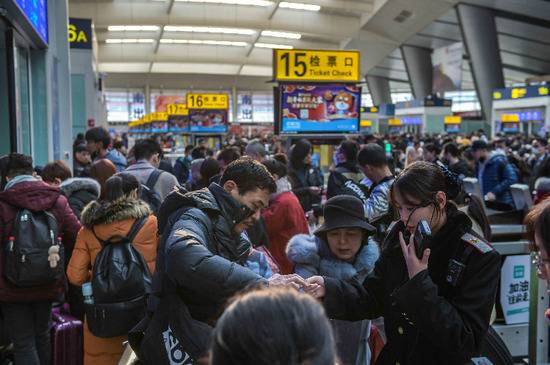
<point>27,310</point>
<point>204,247</point>
<point>345,169</point>
<point>495,174</point>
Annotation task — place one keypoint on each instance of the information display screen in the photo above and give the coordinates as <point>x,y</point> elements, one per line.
<point>178,123</point>
<point>37,13</point>
<point>452,128</point>
<point>320,109</point>
<point>208,120</point>
<point>510,127</point>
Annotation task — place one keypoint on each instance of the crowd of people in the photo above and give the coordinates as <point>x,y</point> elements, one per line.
<point>241,255</point>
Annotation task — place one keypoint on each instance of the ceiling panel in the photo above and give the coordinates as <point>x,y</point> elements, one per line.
<point>392,74</point>
<point>533,8</point>
<point>523,46</point>
<point>538,66</point>
<point>195,68</point>
<point>443,30</point>
<point>394,64</point>
<point>525,30</point>
<point>449,17</point>
<point>426,41</point>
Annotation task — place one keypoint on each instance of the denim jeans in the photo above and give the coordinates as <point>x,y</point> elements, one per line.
<point>29,327</point>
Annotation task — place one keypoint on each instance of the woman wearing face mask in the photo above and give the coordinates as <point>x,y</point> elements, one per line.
<point>284,218</point>
<point>340,249</point>
<point>306,180</point>
<point>436,309</point>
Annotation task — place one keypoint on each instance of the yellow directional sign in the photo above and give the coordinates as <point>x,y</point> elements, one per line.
<point>177,109</point>
<point>207,101</point>
<point>453,119</point>
<point>316,65</point>
<point>365,123</point>
<point>509,118</point>
<point>394,122</point>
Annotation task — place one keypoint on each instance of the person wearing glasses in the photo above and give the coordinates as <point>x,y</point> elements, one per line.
<point>436,303</point>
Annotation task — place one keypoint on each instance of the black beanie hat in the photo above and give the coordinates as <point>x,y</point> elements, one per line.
<point>300,150</point>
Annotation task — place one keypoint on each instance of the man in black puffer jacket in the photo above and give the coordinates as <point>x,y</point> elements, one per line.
<point>201,256</point>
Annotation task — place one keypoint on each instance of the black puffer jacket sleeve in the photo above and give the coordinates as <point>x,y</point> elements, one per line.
<point>194,268</point>
<point>458,327</point>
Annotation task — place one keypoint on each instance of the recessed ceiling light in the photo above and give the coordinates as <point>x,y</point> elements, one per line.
<point>299,6</point>
<point>231,2</point>
<point>132,28</point>
<point>215,30</point>
<point>129,40</point>
<point>275,34</point>
<point>203,42</point>
<point>273,46</point>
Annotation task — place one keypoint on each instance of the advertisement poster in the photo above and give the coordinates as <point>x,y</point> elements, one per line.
<point>162,101</point>
<point>320,109</point>
<point>447,68</point>
<point>514,288</point>
<point>178,123</point>
<point>208,120</point>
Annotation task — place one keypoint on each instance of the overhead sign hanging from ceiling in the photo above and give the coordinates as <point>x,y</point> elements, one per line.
<point>80,33</point>
<point>36,12</point>
<point>316,65</point>
<point>207,101</point>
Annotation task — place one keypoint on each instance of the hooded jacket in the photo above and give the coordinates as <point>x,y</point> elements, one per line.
<point>350,171</point>
<point>79,192</point>
<point>109,219</point>
<point>200,257</point>
<point>496,176</point>
<point>35,196</point>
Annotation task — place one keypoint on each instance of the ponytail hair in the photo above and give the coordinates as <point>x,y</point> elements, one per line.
<point>120,185</point>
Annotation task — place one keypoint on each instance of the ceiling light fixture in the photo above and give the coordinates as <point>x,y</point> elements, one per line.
<point>132,28</point>
<point>129,40</point>
<point>299,6</point>
<point>231,2</point>
<point>276,34</point>
<point>214,30</point>
<point>203,42</point>
<point>273,46</point>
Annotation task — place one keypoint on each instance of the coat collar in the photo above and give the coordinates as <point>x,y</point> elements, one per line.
<point>107,212</point>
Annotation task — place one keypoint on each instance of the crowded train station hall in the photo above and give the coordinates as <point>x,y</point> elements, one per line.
<point>268,182</point>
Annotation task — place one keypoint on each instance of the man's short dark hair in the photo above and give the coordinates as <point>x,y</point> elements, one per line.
<point>198,152</point>
<point>479,145</point>
<point>189,148</point>
<point>257,148</point>
<point>229,154</point>
<point>373,155</point>
<point>19,164</point>
<point>542,141</point>
<point>432,148</point>
<point>452,149</point>
<point>249,175</point>
<point>56,169</point>
<point>349,150</point>
<point>98,134</point>
<point>146,148</point>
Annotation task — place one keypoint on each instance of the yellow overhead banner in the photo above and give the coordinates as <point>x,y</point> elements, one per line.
<point>177,109</point>
<point>365,123</point>
<point>453,119</point>
<point>316,65</point>
<point>509,118</point>
<point>394,122</point>
<point>207,101</point>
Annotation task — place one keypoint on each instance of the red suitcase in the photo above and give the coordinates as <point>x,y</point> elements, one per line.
<point>66,338</point>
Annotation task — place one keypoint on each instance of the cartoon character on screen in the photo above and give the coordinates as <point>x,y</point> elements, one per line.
<point>217,119</point>
<point>343,103</point>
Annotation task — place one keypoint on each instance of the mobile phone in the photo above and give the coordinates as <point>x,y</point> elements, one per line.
<point>243,213</point>
<point>422,237</point>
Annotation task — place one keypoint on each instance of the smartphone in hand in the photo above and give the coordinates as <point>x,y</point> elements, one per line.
<point>422,237</point>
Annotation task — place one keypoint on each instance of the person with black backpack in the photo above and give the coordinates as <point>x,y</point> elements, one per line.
<point>37,232</point>
<point>118,245</point>
<point>156,184</point>
<point>346,176</point>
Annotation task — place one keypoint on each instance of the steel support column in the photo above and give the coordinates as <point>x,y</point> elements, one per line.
<point>418,62</point>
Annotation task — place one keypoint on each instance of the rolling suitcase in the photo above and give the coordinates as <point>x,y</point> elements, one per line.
<point>66,338</point>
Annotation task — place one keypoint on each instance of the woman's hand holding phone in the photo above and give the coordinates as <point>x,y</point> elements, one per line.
<point>414,265</point>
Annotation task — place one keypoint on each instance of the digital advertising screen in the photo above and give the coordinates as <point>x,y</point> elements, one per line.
<point>159,126</point>
<point>510,127</point>
<point>178,123</point>
<point>319,109</point>
<point>452,128</point>
<point>37,13</point>
<point>208,120</point>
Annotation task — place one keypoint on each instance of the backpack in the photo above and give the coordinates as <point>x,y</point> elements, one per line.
<point>148,193</point>
<point>346,186</point>
<point>34,254</point>
<point>121,282</point>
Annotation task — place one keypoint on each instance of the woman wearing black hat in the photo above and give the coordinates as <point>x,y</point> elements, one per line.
<point>306,180</point>
<point>340,249</point>
<point>436,308</point>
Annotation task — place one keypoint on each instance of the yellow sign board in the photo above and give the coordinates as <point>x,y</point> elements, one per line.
<point>365,123</point>
<point>453,119</point>
<point>207,101</point>
<point>509,118</point>
<point>316,65</point>
<point>146,119</point>
<point>394,122</point>
<point>177,109</point>
<point>518,93</point>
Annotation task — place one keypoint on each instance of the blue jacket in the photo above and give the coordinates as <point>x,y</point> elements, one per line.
<point>117,159</point>
<point>496,176</point>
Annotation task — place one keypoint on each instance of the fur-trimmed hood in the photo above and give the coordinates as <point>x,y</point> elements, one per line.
<point>313,255</point>
<point>76,184</point>
<point>97,213</point>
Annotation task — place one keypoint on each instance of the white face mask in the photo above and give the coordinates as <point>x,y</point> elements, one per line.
<point>283,185</point>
